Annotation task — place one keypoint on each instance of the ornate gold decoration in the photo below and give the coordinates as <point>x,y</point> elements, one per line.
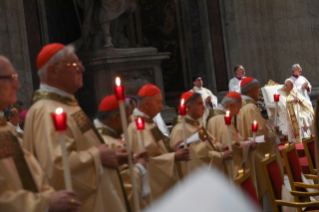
<point>271,83</point>
<point>203,136</point>
<point>83,122</point>
<point>219,112</point>
<point>247,101</point>
<point>10,147</point>
<point>38,95</point>
<point>104,131</point>
<point>158,135</point>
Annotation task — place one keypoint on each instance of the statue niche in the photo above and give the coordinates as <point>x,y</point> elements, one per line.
<point>98,17</point>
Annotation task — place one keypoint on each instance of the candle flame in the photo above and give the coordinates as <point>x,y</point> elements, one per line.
<point>59,110</point>
<point>139,120</point>
<point>182,102</point>
<point>227,113</point>
<point>118,81</point>
<point>255,122</point>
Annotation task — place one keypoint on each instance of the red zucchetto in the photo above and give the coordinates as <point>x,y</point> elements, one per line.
<point>148,90</point>
<point>47,52</point>
<point>187,95</point>
<point>246,81</point>
<point>234,95</point>
<point>109,103</point>
<point>23,114</point>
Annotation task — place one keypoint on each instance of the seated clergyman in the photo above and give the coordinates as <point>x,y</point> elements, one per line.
<point>292,105</point>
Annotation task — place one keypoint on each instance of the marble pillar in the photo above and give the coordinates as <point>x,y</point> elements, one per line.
<point>14,45</point>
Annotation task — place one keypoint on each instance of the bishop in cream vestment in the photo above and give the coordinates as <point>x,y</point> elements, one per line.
<point>97,187</point>
<point>23,186</point>
<point>202,152</point>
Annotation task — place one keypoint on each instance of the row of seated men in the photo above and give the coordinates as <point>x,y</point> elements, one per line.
<point>32,176</point>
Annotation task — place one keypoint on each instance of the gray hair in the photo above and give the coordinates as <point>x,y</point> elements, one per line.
<point>287,80</point>
<point>294,66</point>
<point>106,115</point>
<point>192,99</point>
<point>245,88</point>
<point>227,100</point>
<point>140,100</point>
<point>59,56</point>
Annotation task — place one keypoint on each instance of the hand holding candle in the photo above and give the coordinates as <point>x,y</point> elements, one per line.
<point>120,95</point>
<point>228,124</point>
<point>182,113</point>
<point>60,123</point>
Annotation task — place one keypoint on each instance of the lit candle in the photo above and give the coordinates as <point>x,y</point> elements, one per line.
<point>182,112</point>
<point>59,120</point>
<point>140,125</point>
<point>120,95</point>
<point>119,90</point>
<point>254,128</point>
<point>228,124</point>
<point>227,118</point>
<point>276,99</point>
<point>182,108</point>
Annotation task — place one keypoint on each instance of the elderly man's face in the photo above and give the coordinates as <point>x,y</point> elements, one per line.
<point>8,82</point>
<point>289,85</point>
<point>297,71</point>
<point>153,105</point>
<point>240,71</point>
<point>69,73</point>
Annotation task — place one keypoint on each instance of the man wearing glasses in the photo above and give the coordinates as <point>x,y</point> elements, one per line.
<point>210,100</point>
<point>93,164</point>
<point>23,186</point>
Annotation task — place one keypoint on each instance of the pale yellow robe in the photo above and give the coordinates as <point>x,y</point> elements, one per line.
<point>116,143</point>
<point>97,187</point>
<point>161,166</point>
<point>217,127</point>
<point>201,152</point>
<point>247,115</point>
<point>13,197</point>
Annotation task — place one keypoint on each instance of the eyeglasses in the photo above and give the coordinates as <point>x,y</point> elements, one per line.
<point>76,65</point>
<point>11,78</point>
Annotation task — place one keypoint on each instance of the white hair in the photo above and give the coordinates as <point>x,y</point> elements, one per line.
<point>57,57</point>
<point>287,80</point>
<point>245,89</point>
<point>227,100</point>
<point>294,66</point>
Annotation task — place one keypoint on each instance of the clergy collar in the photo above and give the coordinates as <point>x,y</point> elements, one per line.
<point>192,121</point>
<point>137,113</point>
<point>48,88</point>
<point>106,130</point>
<point>9,123</point>
<point>19,130</point>
<point>239,78</point>
<point>295,76</point>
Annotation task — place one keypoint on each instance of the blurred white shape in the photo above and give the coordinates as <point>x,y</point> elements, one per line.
<point>204,191</point>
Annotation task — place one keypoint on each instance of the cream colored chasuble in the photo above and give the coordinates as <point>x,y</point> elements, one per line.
<point>115,141</point>
<point>98,188</point>
<point>202,152</point>
<point>247,115</point>
<point>23,186</point>
<point>162,172</point>
<point>217,127</point>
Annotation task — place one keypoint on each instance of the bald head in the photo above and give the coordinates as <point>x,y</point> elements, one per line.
<point>8,83</point>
